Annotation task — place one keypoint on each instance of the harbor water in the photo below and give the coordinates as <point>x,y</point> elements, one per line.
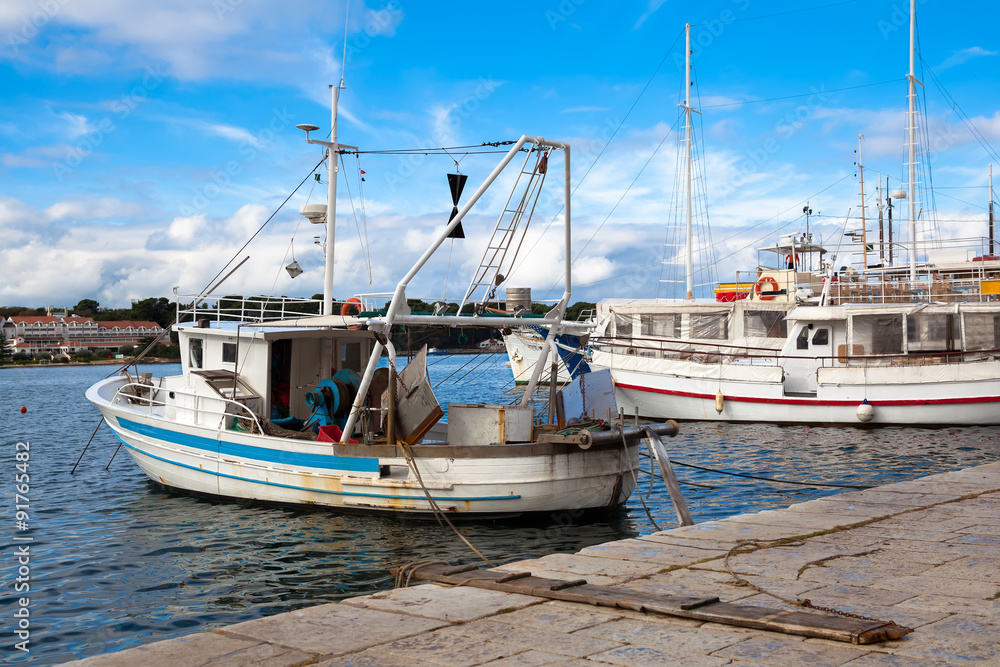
<point>115,561</point>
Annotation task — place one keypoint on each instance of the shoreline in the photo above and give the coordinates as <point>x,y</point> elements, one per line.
<point>102,362</point>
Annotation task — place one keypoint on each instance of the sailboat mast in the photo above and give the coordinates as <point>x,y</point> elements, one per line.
<point>991,211</point>
<point>912,129</point>
<point>331,202</point>
<point>864,223</point>
<point>881,229</point>
<point>689,260</point>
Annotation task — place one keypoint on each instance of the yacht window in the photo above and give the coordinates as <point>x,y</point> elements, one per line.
<point>765,324</point>
<point>668,325</point>
<point>932,332</point>
<point>982,331</point>
<point>229,353</point>
<point>623,325</point>
<point>711,326</point>
<point>821,337</point>
<point>802,340</point>
<point>195,353</point>
<point>877,334</point>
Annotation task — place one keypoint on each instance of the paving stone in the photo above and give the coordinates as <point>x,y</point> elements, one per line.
<point>650,552</point>
<point>372,658</point>
<point>732,532</point>
<point>925,583</point>
<point>936,521</point>
<point>333,628</point>
<point>806,523</point>
<point>705,542</point>
<point>949,548</point>
<point>198,650</point>
<point>693,583</point>
<point>555,616</point>
<point>973,568</point>
<point>529,658</point>
<point>981,540</point>
<point>457,604</point>
<point>875,659</point>
<point>913,532</point>
<point>895,499</point>
<point>448,649</point>
<point>527,638</point>
<point>910,618</point>
<point>784,561</point>
<point>655,634</point>
<point>976,650</point>
<point>640,656</point>
<point>858,511</point>
<point>594,570</point>
<point>981,528</point>
<point>955,605</point>
<point>779,651</point>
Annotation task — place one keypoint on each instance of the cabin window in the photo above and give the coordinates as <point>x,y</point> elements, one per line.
<point>229,353</point>
<point>668,326</point>
<point>982,331</point>
<point>878,334</point>
<point>711,326</point>
<point>932,332</point>
<point>195,353</point>
<point>765,324</point>
<point>350,356</point>
<point>623,325</point>
<point>821,337</point>
<point>802,340</point>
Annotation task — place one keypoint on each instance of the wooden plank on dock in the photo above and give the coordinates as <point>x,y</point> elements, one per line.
<point>707,609</point>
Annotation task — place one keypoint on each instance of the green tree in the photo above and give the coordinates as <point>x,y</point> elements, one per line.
<point>86,308</point>
<point>6,349</point>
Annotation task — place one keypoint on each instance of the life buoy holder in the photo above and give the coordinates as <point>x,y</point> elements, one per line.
<point>789,257</point>
<point>349,305</point>
<point>761,294</point>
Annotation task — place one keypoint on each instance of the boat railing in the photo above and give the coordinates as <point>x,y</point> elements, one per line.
<point>145,395</point>
<point>247,309</point>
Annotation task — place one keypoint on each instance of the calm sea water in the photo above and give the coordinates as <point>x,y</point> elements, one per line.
<point>117,562</point>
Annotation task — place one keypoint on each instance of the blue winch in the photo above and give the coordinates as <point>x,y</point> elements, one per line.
<point>332,399</point>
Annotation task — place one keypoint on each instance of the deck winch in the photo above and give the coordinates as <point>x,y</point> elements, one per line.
<point>331,400</point>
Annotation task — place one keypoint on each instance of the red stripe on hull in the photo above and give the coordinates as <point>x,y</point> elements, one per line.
<point>806,401</point>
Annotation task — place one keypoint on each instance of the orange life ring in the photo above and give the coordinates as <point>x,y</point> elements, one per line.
<point>788,259</point>
<point>774,288</point>
<point>353,303</point>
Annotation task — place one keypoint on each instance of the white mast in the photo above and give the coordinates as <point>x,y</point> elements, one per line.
<point>864,223</point>
<point>689,259</point>
<point>912,129</point>
<point>331,201</point>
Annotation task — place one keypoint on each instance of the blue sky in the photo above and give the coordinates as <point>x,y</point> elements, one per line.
<point>140,148</point>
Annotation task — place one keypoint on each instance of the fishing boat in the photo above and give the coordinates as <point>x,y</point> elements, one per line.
<point>272,405</point>
<point>880,344</point>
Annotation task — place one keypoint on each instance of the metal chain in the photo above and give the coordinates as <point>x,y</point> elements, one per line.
<point>757,546</point>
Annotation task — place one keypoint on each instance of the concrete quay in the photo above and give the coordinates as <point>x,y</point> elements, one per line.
<point>923,553</point>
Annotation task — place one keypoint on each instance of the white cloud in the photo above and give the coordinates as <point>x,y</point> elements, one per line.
<point>963,56</point>
<point>651,8</point>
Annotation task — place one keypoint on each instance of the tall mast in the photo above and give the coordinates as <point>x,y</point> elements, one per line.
<point>991,211</point>
<point>912,130</point>
<point>689,260</point>
<point>881,229</point>
<point>864,224</point>
<point>331,201</point>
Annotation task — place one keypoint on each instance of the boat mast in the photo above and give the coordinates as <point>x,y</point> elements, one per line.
<point>864,223</point>
<point>991,211</point>
<point>912,130</point>
<point>881,228</point>
<point>689,259</point>
<point>331,200</point>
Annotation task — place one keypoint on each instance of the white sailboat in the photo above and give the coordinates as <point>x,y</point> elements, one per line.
<point>380,446</point>
<point>909,345</point>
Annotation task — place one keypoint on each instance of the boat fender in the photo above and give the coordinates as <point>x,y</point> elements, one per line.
<point>349,305</point>
<point>866,412</point>
<point>720,402</point>
<point>765,296</point>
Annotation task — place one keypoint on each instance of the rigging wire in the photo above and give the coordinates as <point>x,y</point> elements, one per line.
<point>791,97</point>
<point>261,228</point>
<point>960,112</point>
<point>357,224</point>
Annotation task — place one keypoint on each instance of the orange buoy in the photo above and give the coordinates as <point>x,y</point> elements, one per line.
<point>23,409</point>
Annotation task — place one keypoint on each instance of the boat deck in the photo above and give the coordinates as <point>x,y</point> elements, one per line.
<point>924,554</point>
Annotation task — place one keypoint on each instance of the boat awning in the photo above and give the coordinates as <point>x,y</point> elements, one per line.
<point>313,322</point>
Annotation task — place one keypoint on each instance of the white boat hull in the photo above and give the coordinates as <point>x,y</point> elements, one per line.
<point>959,394</point>
<point>523,350</point>
<point>489,480</point>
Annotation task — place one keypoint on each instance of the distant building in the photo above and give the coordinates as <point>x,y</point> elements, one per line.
<point>68,334</point>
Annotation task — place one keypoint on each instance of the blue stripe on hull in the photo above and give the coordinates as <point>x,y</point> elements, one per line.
<point>303,488</point>
<point>281,457</point>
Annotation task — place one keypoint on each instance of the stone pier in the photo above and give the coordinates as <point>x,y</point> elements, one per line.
<point>923,553</point>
